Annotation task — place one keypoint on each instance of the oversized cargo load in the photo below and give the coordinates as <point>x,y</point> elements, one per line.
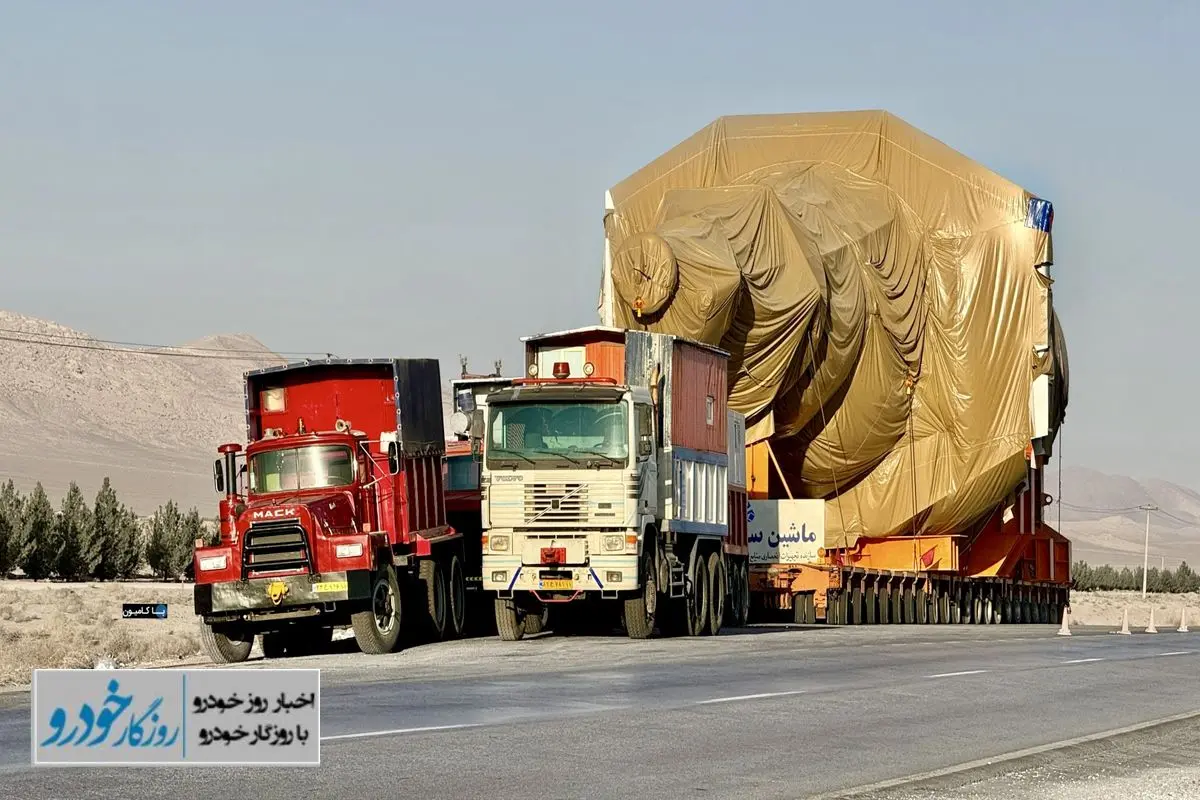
<point>886,302</point>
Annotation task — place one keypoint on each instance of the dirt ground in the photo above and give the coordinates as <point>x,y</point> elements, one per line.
<point>47,625</point>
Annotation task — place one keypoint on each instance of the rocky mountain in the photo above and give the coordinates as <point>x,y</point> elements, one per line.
<point>75,409</point>
<point>1102,518</point>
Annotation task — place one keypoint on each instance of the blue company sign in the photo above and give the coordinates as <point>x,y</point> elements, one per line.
<point>144,610</point>
<point>152,717</point>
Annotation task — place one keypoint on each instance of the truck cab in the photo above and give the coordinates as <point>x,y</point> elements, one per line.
<point>333,513</point>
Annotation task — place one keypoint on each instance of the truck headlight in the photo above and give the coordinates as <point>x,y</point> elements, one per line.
<point>350,550</point>
<point>209,563</point>
<point>498,544</point>
<point>614,542</point>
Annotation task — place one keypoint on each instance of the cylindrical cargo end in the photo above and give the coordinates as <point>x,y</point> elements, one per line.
<point>645,273</point>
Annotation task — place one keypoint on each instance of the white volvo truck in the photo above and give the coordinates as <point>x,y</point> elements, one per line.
<point>607,476</point>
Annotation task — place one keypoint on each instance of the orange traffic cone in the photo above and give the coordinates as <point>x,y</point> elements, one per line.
<point>1150,628</point>
<point>1182,621</point>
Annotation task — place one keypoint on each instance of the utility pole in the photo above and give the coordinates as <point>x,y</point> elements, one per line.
<point>1146,552</point>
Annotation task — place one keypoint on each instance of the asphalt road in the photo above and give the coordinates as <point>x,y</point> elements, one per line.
<point>763,714</point>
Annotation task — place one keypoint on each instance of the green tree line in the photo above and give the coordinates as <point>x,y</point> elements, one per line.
<point>103,540</point>
<point>1182,579</point>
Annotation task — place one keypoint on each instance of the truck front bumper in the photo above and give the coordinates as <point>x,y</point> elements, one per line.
<point>281,594</point>
<point>608,574</point>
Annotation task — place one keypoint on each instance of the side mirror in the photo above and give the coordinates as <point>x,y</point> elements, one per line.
<point>645,445</point>
<point>393,459</point>
<point>219,476</point>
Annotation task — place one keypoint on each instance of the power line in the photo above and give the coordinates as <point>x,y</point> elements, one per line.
<point>1156,510</point>
<point>105,348</point>
<point>93,340</point>
<point>1169,515</point>
<point>1090,510</point>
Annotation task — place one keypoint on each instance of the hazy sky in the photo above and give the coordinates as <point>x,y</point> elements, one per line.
<point>378,179</point>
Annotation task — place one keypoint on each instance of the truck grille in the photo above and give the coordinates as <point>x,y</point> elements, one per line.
<point>556,502</point>
<point>275,547</point>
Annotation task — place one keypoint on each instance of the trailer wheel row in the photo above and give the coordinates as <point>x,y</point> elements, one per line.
<point>882,599</point>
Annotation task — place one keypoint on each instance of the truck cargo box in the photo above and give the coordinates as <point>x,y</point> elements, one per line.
<point>386,399</point>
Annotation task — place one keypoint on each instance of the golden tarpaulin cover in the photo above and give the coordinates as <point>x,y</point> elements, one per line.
<point>886,301</point>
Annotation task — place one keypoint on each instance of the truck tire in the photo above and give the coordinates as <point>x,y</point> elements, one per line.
<point>536,623</point>
<point>640,610</point>
<point>377,627</point>
<point>718,589</point>
<point>510,622</point>
<point>433,577</point>
<point>744,589</point>
<point>697,598</point>
<point>226,646</point>
<point>458,598</point>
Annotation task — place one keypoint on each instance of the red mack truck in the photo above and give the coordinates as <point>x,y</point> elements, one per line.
<point>336,513</point>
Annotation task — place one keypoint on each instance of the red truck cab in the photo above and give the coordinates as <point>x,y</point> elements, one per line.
<point>333,514</point>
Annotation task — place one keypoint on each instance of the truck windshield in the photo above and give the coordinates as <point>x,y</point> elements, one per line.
<point>297,468</point>
<point>558,434</point>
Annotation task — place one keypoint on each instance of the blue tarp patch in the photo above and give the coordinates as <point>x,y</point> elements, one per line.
<point>1041,214</point>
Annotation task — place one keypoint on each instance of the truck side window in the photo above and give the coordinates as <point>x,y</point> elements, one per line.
<point>645,430</point>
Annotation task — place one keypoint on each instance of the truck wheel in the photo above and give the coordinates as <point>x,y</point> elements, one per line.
<point>458,597</point>
<point>718,588</point>
<point>510,623</point>
<point>377,627</point>
<point>744,588</point>
<point>698,598</point>
<point>227,645</point>
<point>640,610</point>
<point>536,623</point>
<point>737,596</point>
<point>434,578</point>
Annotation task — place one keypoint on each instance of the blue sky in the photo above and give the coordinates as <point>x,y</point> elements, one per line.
<point>398,179</point>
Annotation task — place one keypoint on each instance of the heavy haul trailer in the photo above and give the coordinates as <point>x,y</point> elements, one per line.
<point>335,513</point>
<point>606,478</point>
<point>1007,570</point>
<point>888,306</point>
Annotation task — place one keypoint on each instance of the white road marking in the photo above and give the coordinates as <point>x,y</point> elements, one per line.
<point>1178,653</point>
<point>747,697</point>
<point>397,732</point>
<point>956,674</point>
<point>1083,660</point>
